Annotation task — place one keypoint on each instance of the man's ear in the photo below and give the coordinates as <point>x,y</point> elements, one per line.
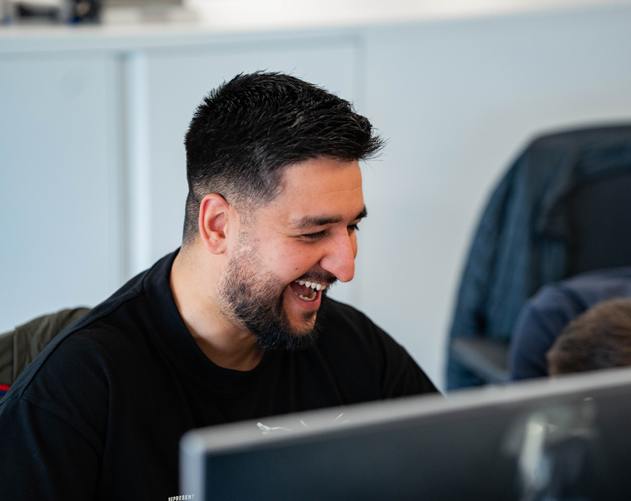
<point>214,221</point>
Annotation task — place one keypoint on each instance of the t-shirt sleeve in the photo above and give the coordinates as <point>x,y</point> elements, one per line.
<point>42,456</point>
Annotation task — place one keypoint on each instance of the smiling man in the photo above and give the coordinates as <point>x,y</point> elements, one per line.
<point>271,267</point>
<point>235,325</point>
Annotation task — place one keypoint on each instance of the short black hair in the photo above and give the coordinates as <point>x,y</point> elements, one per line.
<point>248,129</point>
<point>600,338</point>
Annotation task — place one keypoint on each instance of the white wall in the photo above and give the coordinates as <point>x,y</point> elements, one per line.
<point>459,100</point>
<point>59,199</point>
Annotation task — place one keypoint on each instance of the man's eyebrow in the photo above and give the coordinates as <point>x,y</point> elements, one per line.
<point>311,221</point>
<point>362,213</point>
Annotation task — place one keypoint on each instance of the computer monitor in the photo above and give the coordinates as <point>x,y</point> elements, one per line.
<point>564,439</point>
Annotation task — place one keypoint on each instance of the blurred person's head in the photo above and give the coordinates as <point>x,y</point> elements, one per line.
<point>600,338</point>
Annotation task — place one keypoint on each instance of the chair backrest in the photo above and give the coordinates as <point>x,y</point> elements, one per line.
<point>19,347</point>
<point>561,208</point>
<point>600,222</point>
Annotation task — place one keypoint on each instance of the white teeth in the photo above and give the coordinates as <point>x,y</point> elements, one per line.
<point>311,297</point>
<point>312,285</point>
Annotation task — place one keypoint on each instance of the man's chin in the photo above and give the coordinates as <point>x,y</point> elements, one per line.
<point>302,341</point>
<point>302,324</point>
<point>302,331</point>
<point>289,329</point>
<point>296,335</point>
<point>288,340</point>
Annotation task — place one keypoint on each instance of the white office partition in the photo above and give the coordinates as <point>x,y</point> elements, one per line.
<point>59,220</point>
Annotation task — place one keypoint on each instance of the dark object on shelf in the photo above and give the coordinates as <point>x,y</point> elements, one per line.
<point>30,12</point>
<point>85,11</point>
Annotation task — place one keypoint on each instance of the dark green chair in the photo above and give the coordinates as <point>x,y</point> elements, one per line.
<point>21,345</point>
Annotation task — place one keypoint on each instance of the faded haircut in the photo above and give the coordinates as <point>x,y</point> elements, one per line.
<point>600,338</point>
<point>247,130</point>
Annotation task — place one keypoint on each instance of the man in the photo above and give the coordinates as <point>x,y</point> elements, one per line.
<point>234,326</point>
<point>546,314</point>
<point>600,338</point>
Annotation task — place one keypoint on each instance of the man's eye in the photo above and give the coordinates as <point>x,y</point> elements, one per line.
<point>313,236</point>
<point>353,227</point>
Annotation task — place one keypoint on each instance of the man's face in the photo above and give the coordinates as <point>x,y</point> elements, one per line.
<point>306,235</point>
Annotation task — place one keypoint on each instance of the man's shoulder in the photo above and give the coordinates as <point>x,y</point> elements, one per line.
<point>120,316</point>
<point>92,363</point>
<point>578,293</point>
<point>93,340</point>
<point>599,285</point>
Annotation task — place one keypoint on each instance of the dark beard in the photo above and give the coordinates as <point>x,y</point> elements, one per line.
<point>257,301</point>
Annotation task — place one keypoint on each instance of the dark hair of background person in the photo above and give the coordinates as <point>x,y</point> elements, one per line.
<point>248,129</point>
<point>600,338</point>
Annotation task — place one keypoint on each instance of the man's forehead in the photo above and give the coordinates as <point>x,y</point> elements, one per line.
<point>318,192</point>
<point>327,173</point>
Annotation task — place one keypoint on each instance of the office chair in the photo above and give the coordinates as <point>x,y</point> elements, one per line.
<point>562,208</point>
<point>20,346</point>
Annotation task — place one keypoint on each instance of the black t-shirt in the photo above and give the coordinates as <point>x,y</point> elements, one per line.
<point>100,412</point>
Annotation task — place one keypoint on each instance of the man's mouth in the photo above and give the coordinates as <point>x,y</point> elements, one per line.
<point>305,290</point>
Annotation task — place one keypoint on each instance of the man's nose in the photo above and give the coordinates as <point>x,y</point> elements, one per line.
<point>340,257</point>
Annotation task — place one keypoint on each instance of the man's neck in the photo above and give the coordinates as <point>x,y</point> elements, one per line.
<point>224,343</point>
